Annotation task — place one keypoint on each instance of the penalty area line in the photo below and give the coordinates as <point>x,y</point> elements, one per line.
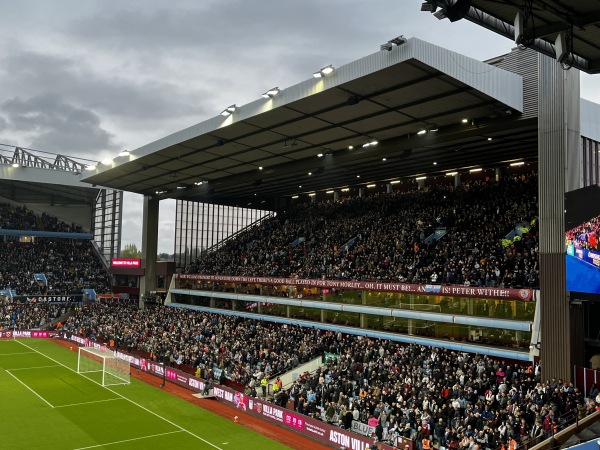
<point>89,403</point>
<point>129,440</point>
<point>125,398</point>
<point>36,394</point>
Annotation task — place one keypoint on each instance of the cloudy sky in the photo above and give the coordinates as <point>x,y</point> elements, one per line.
<point>89,78</point>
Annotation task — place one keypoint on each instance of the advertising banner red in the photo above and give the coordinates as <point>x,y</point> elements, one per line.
<point>431,289</point>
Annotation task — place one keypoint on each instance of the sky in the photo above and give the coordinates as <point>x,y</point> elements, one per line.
<point>89,78</point>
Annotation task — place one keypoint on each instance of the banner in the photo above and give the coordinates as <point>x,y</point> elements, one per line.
<point>446,290</point>
<point>90,294</point>
<point>41,278</point>
<point>47,298</point>
<point>6,293</point>
<point>589,256</point>
<point>362,428</point>
<point>11,334</point>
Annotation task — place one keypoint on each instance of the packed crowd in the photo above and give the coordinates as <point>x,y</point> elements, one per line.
<point>241,349</point>
<point>21,218</point>
<point>383,237</point>
<point>28,316</point>
<point>69,265</point>
<point>453,399</point>
<point>585,235</point>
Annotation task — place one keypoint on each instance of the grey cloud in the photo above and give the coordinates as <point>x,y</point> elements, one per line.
<point>57,126</point>
<point>73,79</point>
<point>236,30</point>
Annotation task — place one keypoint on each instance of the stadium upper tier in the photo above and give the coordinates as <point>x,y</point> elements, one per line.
<point>21,218</point>
<point>439,234</point>
<point>63,266</point>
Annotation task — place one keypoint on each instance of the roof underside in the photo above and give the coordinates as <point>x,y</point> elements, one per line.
<point>43,193</point>
<point>542,24</point>
<point>388,97</point>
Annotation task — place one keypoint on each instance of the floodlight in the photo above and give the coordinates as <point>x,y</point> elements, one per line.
<point>229,110</point>
<point>124,153</point>
<point>387,46</point>
<point>324,71</point>
<point>15,165</point>
<point>399,40</point>
<point>91,167</point>
<point>271,92</point>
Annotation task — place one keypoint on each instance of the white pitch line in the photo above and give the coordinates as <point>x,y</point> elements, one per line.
<point>88,403</point>
<point>125,398</point>
<point>12,354</point>
<point>38,395</point>
<point>37,367</point>
<point>129,440</point>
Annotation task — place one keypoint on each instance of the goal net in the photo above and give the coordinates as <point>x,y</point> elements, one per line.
<point>105,363</point>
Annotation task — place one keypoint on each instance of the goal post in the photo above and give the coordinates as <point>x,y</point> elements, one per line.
<point>105,363</point>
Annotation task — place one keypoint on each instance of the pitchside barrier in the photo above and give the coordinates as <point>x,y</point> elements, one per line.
<point>286,418</point>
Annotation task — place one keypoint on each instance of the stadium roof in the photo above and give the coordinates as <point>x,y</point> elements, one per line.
<point>539,24</point>
<point>430,110</point>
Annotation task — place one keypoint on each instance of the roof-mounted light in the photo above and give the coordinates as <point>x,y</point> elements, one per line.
<point>324,71</point>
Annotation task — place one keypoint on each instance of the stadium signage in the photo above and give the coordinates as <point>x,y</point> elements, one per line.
<point>27,334</point>
<point>47,298</point>
<point>126,262</point>
<point>311,428</point>
<point>362,428</point>
<point>446,290</point>
<point>588,256</point>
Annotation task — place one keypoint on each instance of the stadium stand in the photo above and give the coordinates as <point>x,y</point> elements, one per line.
<point>14,316</point>
<point>384,237</point>
<point>68,265</point>
<point>455,399</point>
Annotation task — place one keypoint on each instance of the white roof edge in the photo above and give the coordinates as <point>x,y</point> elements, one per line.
<point>504,86</point>
<point>590,119</point>
<point>47,176</point>
<point>497,83</point>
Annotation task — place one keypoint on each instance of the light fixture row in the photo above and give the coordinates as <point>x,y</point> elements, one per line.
<point>323,72</point>
<point>418,178</point>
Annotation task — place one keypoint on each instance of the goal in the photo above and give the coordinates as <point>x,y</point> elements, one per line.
<point>104,361</point>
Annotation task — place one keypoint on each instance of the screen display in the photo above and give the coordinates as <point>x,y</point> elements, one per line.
<point>582,223</point>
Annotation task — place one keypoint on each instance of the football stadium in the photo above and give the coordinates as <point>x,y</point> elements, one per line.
<point>399,252</point>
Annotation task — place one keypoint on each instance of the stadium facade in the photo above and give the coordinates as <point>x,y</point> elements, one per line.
<point>412,104</point>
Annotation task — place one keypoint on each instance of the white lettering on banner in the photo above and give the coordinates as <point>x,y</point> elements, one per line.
<point>17,333</point>
<point>339,438</point>
<point>129,358</point>
<point>356,444</point>
<point>362,428</point>
<point>388,287</point>
<point>315,429</point>
<point>196,384</point>
<point>221,393</point>
<point>273,413</point>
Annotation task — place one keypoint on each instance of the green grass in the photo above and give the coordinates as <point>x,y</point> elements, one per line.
<point>47,405</point>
